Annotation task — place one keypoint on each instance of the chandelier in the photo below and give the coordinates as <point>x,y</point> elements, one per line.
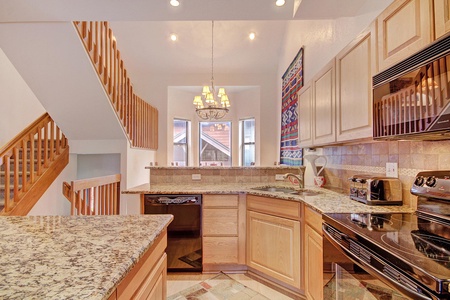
<point>209,105</point>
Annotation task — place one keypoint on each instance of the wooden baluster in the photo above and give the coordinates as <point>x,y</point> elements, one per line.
<point>46,145</point>
<point>32,157</point>
<point>58,141</point>
<point>90,39</point>
<point>110,65</point>
<point>52,140</point>
<point>16,173</point>
<point>24,165</point>
<point>7,164</point>
<point>39,151</point>
<point>114,81</point>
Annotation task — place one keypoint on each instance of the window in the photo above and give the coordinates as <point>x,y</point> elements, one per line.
<point>215,144</point>
<point>180,142</point>
<point>247,142</point>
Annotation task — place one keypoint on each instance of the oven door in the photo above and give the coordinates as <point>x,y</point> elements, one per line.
<point>359,272</point>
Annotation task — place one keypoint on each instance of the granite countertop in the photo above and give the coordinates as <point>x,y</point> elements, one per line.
<point>327,201</point>
<point>72,257</point>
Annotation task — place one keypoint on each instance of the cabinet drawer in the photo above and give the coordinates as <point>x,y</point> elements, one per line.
<point>220,221</point>
<point>220,250</point>
<point>220,200</point>
<point>314,219</point>
<point>273,206</point>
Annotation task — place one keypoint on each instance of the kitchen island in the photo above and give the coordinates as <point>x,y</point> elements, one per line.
<point>74,257</point>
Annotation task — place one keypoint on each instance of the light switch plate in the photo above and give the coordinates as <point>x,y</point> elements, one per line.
<point>196,176</point>
<point>279,176</point>
<point>392,170</point>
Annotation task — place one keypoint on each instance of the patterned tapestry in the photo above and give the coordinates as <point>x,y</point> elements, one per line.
<point>290,153</point>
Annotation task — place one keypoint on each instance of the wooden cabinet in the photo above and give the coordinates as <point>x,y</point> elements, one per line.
<point>305,105</point>
<point>324,106</point>
<point>313,255</point>
<point>355,66</point>
<point>274,240</point>
<point>223,232</point>
<point>148,278</point>
<point>404,27</point>
<point>441,17</point>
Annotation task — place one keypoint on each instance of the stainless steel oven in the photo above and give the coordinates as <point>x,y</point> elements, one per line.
<point>184,234</point>
<point>407,254</point>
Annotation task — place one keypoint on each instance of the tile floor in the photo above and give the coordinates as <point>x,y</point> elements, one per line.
<point>179,281</point>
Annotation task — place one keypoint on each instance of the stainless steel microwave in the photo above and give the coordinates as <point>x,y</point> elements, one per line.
<point>411,100</point>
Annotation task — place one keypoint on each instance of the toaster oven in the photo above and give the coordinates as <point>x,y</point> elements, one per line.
<point>375,190</point>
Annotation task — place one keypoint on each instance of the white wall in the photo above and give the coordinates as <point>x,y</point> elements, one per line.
<point>53,202</point>
<point>155,89</point>
<point>17,100</point>
<point>245,103</point>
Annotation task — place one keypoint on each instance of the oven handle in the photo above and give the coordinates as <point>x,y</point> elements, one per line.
<point>372,269</point>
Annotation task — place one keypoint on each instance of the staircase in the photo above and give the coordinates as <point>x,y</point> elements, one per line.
<point>29,163</point>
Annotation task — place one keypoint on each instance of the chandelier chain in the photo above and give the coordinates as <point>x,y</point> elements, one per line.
<point>212,52</point>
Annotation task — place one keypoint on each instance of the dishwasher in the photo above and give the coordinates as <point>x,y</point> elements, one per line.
<point>184,234</point>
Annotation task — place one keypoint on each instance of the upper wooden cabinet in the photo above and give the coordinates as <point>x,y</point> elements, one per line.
<point>404,28</point>
<point>441,17</point>
<point>324,105</point>
<point>305,104</point>
<point>355,66</point>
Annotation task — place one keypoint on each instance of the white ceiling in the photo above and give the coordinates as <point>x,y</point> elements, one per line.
<point>142,28</point>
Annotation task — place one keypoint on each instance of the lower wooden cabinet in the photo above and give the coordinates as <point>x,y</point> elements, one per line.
<point>313,244</point>
<point>274,239</point>
<point>223,232</point>
<point>148,278</point>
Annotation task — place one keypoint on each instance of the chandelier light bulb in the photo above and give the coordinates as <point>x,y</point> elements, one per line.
<point>280,2</point>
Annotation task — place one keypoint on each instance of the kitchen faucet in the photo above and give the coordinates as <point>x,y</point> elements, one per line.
<point>294,178</point>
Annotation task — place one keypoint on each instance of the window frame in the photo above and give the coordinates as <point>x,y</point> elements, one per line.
<point>228,122</point>
<point>242,140</point>
<point>188,126</point>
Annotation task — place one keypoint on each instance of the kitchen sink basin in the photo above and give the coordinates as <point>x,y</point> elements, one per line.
<point>275,189</point>
<point>302,192</point>
<point>306,192</point>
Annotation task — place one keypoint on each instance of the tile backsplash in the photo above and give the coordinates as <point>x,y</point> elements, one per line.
<point>218,175</point>
<point>411,156</point>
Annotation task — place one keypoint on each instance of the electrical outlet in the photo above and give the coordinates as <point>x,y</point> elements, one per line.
<point>279,176</point>
<point>196,176</point>
<point>392,170</point>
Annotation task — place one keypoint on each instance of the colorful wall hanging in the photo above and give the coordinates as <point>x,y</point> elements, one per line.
<point>290,153</point>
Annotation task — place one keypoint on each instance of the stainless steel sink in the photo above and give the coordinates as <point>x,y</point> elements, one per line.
<point>306,192</point>
<point>275,189</point>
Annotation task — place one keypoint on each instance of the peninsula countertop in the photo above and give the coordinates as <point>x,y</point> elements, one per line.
<point>327,200</point>
<point>72,257</point>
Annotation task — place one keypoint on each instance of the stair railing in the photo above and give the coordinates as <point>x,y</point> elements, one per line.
<point>94,196</point>
<point>138,118</point>
<point>26,160</point>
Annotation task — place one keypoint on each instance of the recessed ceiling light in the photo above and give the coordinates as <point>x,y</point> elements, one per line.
<point>176,3</point>
<point>280,2</point>
<point>173,37</point>
<point>252,36</point>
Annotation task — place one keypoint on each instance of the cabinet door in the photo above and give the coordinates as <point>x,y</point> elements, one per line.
<point>324,108</point>
<point>355,66</point>
<point>273,247</point>
<point>154,286</point>
<point>313,264</point>
<point>403,29</point>
<point>441,17</point>
<point>305,116</point>
<point>220,250</point>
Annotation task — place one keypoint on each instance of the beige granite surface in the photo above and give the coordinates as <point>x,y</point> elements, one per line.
<point>327,201</point>
<point>72,257</point>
